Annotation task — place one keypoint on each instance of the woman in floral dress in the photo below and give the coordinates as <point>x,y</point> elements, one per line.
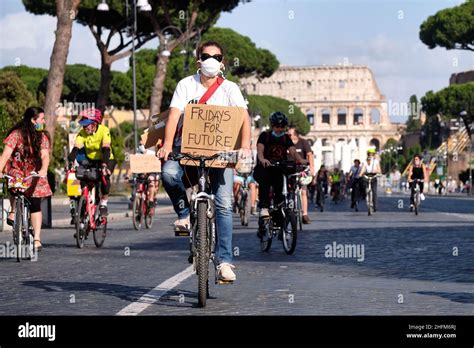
<point>27,150</point>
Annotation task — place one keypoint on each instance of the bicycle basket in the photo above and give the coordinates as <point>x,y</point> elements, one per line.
<point>244,167</point>
<point>306,180</point>
<point>87,174</point>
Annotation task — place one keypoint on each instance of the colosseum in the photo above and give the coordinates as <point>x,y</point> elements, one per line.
<point>343,104</point>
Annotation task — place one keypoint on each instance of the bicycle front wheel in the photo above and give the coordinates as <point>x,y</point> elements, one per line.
<point>81,222</point>
<point>150,212</point>
<point>17,229</point>
<point>202,254</point>
<point>369,203</point>
<point>245,211</point>
<point>100,232</point>
<point>290,232</point>
<point>137,212</point>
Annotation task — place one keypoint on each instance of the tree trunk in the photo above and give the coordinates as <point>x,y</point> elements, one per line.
<point>105,80</point>
<point>65,12</point>
<point>158,85</point>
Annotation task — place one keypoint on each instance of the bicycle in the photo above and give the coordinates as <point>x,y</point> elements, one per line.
<point>141,210</point>
<point>244,204</point>
<point>88,218</point>
<point>23,233</point>
<point>336,192</point>
<point>287,229</point>
<point>320,195</point>
<point>203,234</point>
<point>299,177</point>
<point>369,194</point>
<point>416,196</point>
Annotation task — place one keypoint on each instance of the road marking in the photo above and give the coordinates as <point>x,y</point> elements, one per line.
<point>462,216</point>
<point>155,294</point>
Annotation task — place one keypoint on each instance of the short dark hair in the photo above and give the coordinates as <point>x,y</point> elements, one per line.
<point>357,160</point>
<point>419,156</point>
<point>209,44</point>
<point>295,129</point>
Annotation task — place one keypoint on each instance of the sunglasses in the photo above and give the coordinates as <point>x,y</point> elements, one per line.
<point>206,56</point>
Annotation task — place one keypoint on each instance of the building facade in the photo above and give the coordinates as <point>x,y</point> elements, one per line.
<point>345,108</point>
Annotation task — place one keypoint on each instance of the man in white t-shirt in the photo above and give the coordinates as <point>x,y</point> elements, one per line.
<point>189,91</point>
<point>371,167</point>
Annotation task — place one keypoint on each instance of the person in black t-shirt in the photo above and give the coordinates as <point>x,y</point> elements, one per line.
<point>304,150</point>
<point>272,146</point>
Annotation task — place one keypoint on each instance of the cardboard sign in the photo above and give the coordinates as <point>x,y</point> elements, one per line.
<point>208,129</point>
<point>155,135</point>
<point>140,164</point>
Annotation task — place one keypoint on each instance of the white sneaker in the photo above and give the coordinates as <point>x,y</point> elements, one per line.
<point>182,224</point>
<point>422,196</point>
<point>264,213</point>
<point>225,271</point>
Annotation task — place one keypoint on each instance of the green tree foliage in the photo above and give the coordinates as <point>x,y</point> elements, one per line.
<point>446,105</point>
<point>32,77</point>
<point>14,95</point>
<point>243,58</point>
<point>265,105</point>
<point>451,28</point>
<point>413,122</point>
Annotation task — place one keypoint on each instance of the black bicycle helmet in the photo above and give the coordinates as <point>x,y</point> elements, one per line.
<point>278,119</point>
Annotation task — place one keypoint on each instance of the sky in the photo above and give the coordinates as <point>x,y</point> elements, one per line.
<point>382,34</point>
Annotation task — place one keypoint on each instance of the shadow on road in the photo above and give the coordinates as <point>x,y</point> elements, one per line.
<point>461,297</point>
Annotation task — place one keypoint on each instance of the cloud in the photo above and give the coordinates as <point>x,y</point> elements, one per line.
<point>21,31</point>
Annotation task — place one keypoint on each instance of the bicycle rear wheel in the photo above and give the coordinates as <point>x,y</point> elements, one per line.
<point>100,232</point>
<point>81,222</point>
<point>137,211</point>
<point>290,232</point>
<point>202,254</point>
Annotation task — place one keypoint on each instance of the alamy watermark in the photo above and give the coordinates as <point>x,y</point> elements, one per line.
<point>72,109</point>
<point>404,109</point>
<point>9,250</point>
<point>345,251</point>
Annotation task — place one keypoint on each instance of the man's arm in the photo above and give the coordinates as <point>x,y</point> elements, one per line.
<point>310,158</point>
<point>296,156</point>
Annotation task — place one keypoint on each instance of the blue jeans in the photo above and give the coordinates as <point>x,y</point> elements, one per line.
<point>221,186</point>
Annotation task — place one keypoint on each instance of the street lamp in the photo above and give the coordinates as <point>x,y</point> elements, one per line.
<point>463,114</point>
<point>103,6</point>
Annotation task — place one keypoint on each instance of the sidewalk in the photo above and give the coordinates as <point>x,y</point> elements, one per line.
<point>61,217</point>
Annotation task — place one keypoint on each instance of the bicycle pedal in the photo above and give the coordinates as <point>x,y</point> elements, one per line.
<point>182,233</point>
<point>224,282</point>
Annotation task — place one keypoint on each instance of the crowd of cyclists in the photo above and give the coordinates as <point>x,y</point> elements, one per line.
<point>27,149</point>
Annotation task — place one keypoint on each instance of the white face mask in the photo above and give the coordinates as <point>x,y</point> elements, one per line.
<point>210,67</point>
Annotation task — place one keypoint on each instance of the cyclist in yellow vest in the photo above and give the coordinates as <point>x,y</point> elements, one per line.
<point>96,141</point>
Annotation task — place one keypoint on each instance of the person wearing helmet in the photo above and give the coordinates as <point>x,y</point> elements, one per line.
<point>304,149</point>
<point>371,167</point>
<point>272,146</point>
<point>95,139</point>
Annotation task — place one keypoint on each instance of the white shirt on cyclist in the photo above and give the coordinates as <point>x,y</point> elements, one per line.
<point>371,168</point>
<point>189,90</point>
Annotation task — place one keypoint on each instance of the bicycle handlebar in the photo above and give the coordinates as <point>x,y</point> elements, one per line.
<point>225,156</point>
<point>32,175</point>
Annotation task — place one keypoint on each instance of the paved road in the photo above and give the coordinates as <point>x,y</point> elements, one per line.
<point>406,265</point>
